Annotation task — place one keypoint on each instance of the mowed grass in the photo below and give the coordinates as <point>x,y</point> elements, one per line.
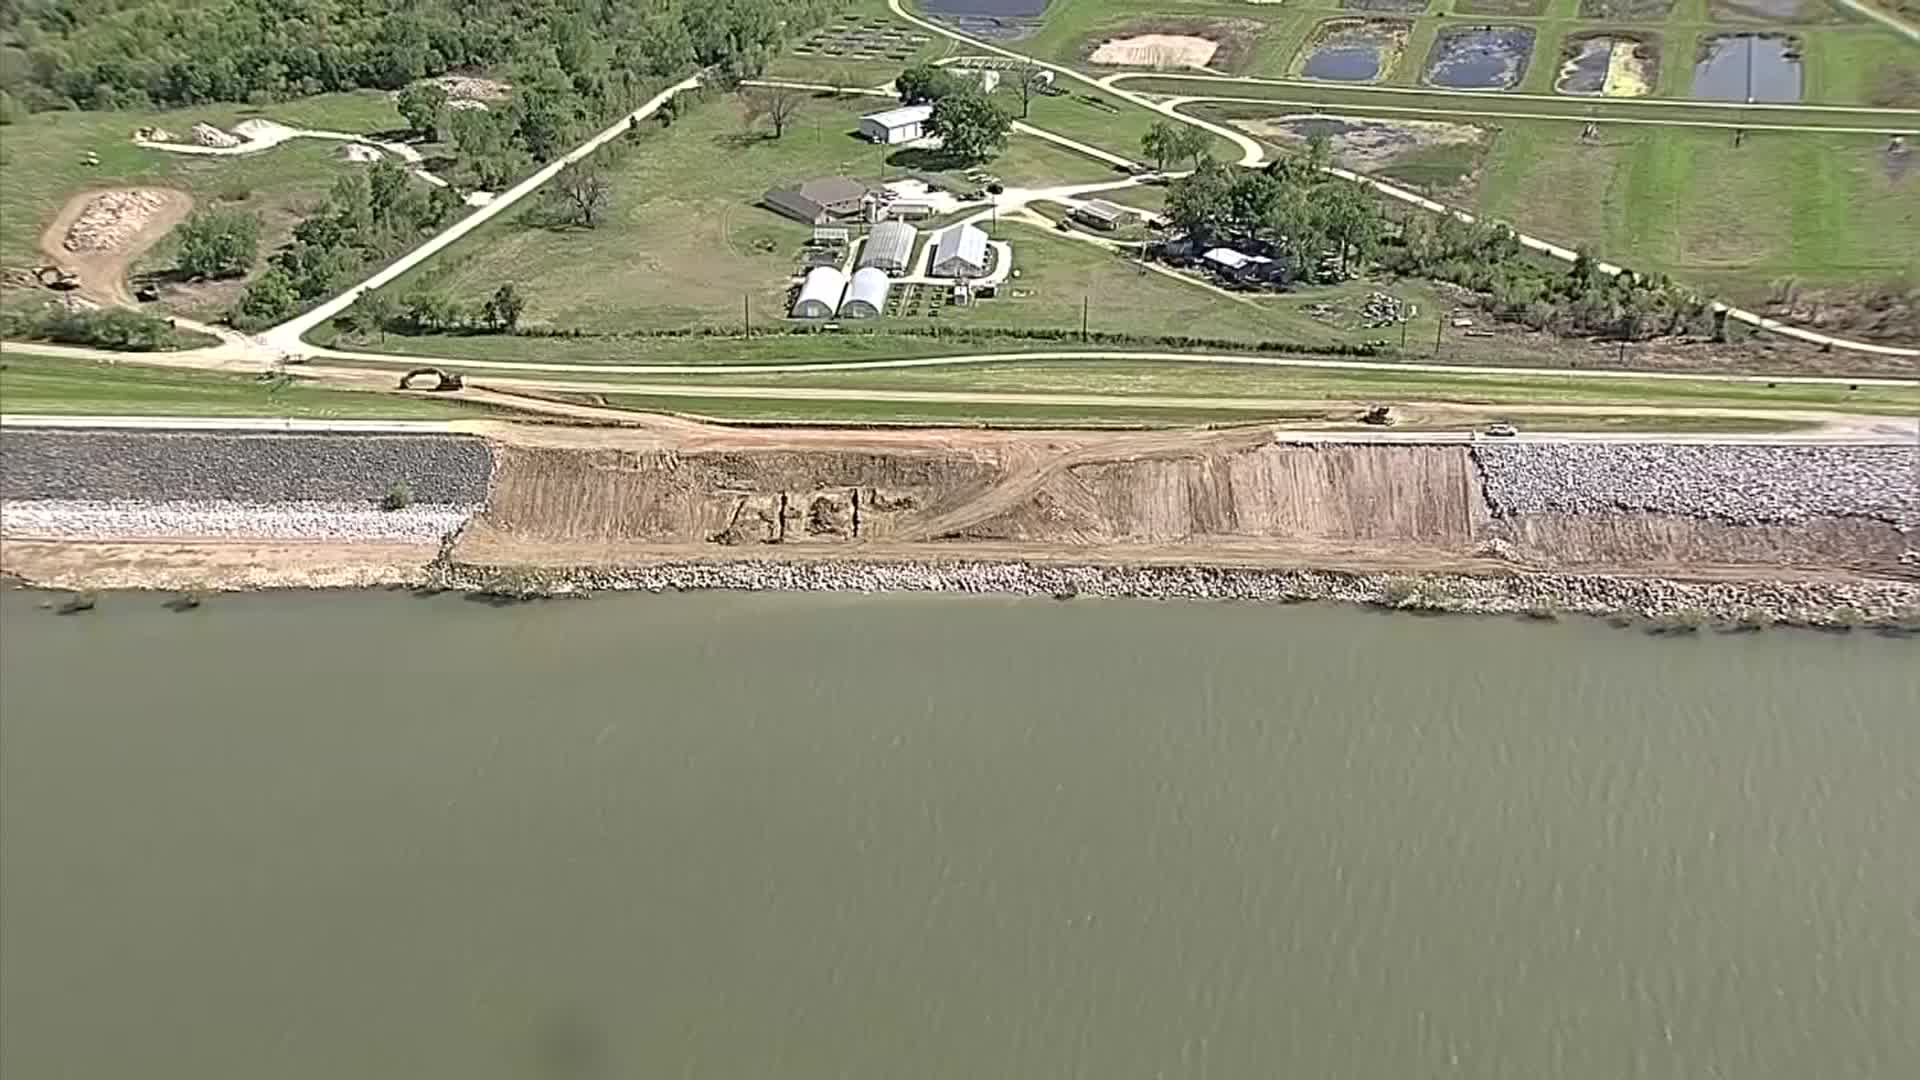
<point>1823,209</point>
<point>686,242</point>
<point>59,386</point>
<point>41,159</point>
<point>1277,383</point>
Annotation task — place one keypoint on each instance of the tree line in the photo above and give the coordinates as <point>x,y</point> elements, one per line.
<point>367,217</point>
<point>1325,225</point>
<point>128,54</point>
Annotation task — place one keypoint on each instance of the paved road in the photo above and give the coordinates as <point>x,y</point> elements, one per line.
<point>1836,436</point>
<point>1469,101</point>
<point>1451,111</point>
<point>1465,372</point>
<point>1884,18</point>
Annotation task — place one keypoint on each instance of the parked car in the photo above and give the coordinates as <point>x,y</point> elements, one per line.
<point>1502,430</point>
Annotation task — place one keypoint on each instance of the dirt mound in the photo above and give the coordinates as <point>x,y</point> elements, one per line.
<point>112,219</point>
<point>208,135</point>
<point>259,130</point>
<point>359,153</point>
<point>473,88</point>
<point>1156,51</point>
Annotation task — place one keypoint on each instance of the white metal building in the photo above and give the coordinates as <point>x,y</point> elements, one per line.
<point>904,124</point>
<point>867,294</point>
<point>820,293</point>
<point>960,253</point>
<point>889,247</point>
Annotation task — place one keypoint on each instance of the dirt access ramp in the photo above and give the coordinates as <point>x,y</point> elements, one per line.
<point>110,228</point>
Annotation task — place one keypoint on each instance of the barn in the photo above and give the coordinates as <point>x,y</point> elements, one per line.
<point>820,293</point>
<point>892,126</point>
<point>961,252</point>
<point>867,294</point>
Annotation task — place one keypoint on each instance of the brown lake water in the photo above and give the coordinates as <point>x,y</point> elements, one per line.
<point>724,836</point>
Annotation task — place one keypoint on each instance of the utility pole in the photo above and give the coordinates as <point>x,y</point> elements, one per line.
<point>1083,318</point>
<point>1439,325</point>
<point>1403,334</point>
<point>746,312</point>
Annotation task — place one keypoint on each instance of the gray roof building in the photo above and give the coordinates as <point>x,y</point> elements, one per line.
<point>889,247</point>
<point>960,252</point>
<point>819,200</point>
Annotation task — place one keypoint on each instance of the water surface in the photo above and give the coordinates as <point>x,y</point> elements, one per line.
<point>725,836</point>
<point>1748,67</point>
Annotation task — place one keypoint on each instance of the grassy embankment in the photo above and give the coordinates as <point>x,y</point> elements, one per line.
<point>59,386</point>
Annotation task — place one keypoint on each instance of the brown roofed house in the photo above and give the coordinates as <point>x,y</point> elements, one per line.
<point>819,200</point>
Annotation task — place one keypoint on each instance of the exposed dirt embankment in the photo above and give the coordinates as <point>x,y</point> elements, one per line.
<point>1235,496</point>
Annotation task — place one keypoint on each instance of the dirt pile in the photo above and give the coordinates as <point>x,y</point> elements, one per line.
<point>473,88</point>
<point>208,135</point>
<point>112,218</point>
<point>359,153</point>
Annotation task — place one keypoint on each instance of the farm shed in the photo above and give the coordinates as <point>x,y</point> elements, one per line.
<point>867,295</point>
<point>889,247</point>
<point>1102,214</point>
<point>891,126</point>
<point>820,293</point>
<point>819,200</point>
<point>960,253</point>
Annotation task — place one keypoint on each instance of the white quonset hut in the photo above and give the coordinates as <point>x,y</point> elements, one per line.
<point>960,253</point>
<point>889,247</point>
<point>866,295</point>
<point>901,125</point>
<point>820,293</point>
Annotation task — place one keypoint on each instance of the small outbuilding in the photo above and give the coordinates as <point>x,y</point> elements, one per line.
<point>818,201</point>
<point>820,293</point>
<point>893,126</point>
<point>961,252</point>
<point>1238,265</point>
<point>889,247</point>
<point>1102,214</point>
<point>866,294</point>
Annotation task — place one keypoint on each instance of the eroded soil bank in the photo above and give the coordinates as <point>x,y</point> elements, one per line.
<point>1805,533</point>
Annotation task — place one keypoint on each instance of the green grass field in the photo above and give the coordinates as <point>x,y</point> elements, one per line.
<point>686,241</point>
<point>1197,380</point>
<point>41,158</point>
<point>59,386</point>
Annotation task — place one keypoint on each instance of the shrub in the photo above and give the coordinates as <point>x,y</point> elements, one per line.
<point>399,496</point>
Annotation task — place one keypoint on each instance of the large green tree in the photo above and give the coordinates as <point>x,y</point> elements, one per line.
<point>423,104</point>
<point>970,126</point>
<point>218,244</point>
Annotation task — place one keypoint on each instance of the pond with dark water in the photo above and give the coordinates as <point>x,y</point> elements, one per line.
<point>1010,9</point>
<point>1480,57</point>
<point>726,836</point>
<point>1353,50</point>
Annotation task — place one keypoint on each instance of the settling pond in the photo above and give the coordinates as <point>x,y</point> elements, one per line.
<point>1748,67</point>
<point>1480,57</point>
<point>1353,50</point>
<point>1606,65</point>
<point>1005,9</point>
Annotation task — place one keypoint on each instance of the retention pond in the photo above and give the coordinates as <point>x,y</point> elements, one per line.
<point>1748,67</point>
<point>1480,57</point>
<point>1353,50</point>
